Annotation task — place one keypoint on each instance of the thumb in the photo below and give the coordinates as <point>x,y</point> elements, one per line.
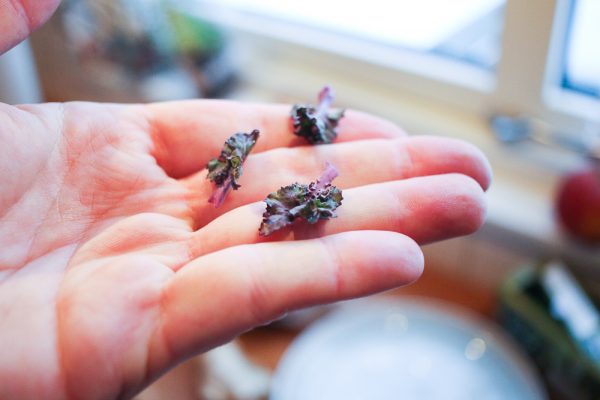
<point>18,18</point>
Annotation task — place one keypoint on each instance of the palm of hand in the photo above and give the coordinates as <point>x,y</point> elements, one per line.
<point>114,267</point>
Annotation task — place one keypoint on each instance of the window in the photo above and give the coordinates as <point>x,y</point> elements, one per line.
<point>581,68</point>
<point>468,30</point>
<point>536,58</point>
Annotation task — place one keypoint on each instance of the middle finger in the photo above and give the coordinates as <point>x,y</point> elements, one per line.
<point>359,163</point>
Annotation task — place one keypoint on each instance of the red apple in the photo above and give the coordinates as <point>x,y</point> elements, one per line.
<point>578,204</point>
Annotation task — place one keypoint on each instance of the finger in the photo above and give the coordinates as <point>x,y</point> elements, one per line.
<point>188,134</point>
<point>426,209</point>
<point>18,18</point>
<point>225,293</point>
<point>359,163</point>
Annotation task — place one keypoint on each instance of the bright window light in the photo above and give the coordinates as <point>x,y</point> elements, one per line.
<point>452,29</point>
<point>582,62</point>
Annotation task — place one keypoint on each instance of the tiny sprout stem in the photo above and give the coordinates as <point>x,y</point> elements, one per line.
<point>326,98</point>
<point>327,176</point>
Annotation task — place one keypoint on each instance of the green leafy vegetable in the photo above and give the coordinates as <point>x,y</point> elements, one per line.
<point>312,202</point>
<point>317,124</point>
<point>227,169</point>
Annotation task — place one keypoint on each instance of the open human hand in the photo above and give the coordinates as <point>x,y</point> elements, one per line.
<point>114,267</point>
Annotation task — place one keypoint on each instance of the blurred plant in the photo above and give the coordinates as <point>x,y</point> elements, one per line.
<point>144,38</point>
<point>133,35</point>
<point>202,48</point>
<point>194,38</point>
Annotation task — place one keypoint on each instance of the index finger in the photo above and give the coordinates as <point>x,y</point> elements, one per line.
<point>187,134</point>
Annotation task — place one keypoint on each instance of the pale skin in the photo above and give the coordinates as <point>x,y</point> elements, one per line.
<point>114,267</point>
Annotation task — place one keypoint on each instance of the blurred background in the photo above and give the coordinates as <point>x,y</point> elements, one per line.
<point>521,80</point>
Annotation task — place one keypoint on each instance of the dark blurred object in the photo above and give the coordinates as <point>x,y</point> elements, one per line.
<point>121,50</point>
<point>578,203</point>
<point>554,319</point>
<point>202,48</point>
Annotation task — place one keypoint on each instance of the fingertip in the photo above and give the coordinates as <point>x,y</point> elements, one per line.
<point>479,167</point>
<point>407,256</point>
<point>378,260</point>
<point>438,155</point>
<point>483,169</point>
<point>468,201</point>
<point>38,11</point>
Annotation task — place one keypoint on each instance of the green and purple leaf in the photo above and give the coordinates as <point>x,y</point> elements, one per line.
<point>227,169</point>
<point>312,202</point>
<point>317,124</point>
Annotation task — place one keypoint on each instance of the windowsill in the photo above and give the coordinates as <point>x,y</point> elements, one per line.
<point>568,103</point>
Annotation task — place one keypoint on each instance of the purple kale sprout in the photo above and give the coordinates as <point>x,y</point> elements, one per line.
<point>317,124</point>
<point>312,202</point>
<point>227,169</point>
